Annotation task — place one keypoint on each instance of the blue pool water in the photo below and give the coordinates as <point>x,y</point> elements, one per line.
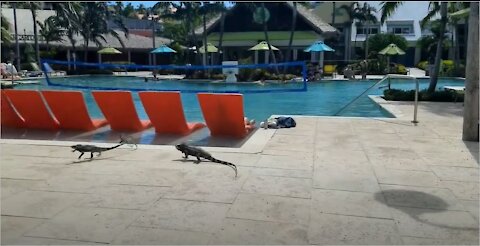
<point>321,99</point>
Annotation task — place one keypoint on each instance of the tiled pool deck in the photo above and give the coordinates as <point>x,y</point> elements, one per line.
<point>327,181</point>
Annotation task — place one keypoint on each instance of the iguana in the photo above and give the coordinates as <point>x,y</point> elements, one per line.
<point>85,148</point>
<point>200,153</point>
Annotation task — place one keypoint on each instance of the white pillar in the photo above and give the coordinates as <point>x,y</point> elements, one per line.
<point>99,58</point>
<point>266,56</point>
<point>150,59</point>
<point>295,54</point>
<point>256,57</point>
<point>129,56</point>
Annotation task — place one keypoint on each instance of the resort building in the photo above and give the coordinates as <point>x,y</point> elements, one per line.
<point>137,46</point>
<point>405,21</point>
<point>241,31</point>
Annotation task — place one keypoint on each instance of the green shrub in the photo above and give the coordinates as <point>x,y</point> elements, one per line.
<point>422,65</point>
<point>219,76</point>
<point>409,95</point>
<point>400,69</point>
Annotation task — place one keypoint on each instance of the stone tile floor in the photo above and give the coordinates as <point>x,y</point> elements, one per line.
<point>327,181</point>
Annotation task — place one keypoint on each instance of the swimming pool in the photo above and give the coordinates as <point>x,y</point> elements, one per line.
<point>321,99</point>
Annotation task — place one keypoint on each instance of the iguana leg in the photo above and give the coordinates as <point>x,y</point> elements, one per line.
<point>74,150</point>
<point>81,155</point>
<point>91,155</point>
<point>198,160</point>
<point>186,156</point>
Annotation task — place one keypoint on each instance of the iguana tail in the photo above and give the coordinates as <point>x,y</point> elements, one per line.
<point>225,163</point>
<point>114,147</point>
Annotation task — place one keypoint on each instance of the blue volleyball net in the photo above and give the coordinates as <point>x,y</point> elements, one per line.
<point>249,78</point>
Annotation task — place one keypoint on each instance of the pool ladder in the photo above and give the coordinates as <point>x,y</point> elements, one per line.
<point>388,77</point>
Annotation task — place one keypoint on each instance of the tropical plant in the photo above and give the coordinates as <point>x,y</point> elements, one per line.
<point>429,43</point>
<point>470,112</point>
<point>141,9</point>
<point>188,13</point>
<point>6,37</point>
<point>68,17</point>
<point>94,26</point>
<point>51,30</point>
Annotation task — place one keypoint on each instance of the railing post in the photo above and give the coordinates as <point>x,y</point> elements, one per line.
<point>415,109</point>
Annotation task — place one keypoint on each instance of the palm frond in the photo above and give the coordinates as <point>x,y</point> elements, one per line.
<point>388,8</point>
<point>434,10</point>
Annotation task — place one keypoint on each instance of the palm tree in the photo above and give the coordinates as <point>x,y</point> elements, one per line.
<point>265,31</point>
<point>209,9</point>
<point>438,56</point>
<point>17,45</point>
<point>51,31</point>
<point>388,8</point>
<point>34,6</point>
<point>6,37</point>
<point>292,32</point>
<point>352,12</point>
<point>365,14</point>
<point>68,17</point>
<point>428,43</point>
<point>470,111</point>
<point>94,18</point>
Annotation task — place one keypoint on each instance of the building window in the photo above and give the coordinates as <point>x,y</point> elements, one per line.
<point>363,30</point>
<point>401,29</point>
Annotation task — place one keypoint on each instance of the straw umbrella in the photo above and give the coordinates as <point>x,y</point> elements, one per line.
<point>107,51</point>
<point>210,49</point>
<point>262,46</point>
<point>318,46</point>
<point>391,50</point>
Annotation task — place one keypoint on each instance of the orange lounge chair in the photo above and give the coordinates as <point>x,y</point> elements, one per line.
<point>31,107</point>
<point>70,110</point>
<point>223,114</point>
<point>10,118</point>
<point>119,110</point>
<point>165,110</point>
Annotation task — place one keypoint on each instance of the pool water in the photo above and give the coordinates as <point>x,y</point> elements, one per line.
<point>324,98</point>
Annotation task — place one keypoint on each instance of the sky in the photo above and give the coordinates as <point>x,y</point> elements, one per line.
<point>151,3</point>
